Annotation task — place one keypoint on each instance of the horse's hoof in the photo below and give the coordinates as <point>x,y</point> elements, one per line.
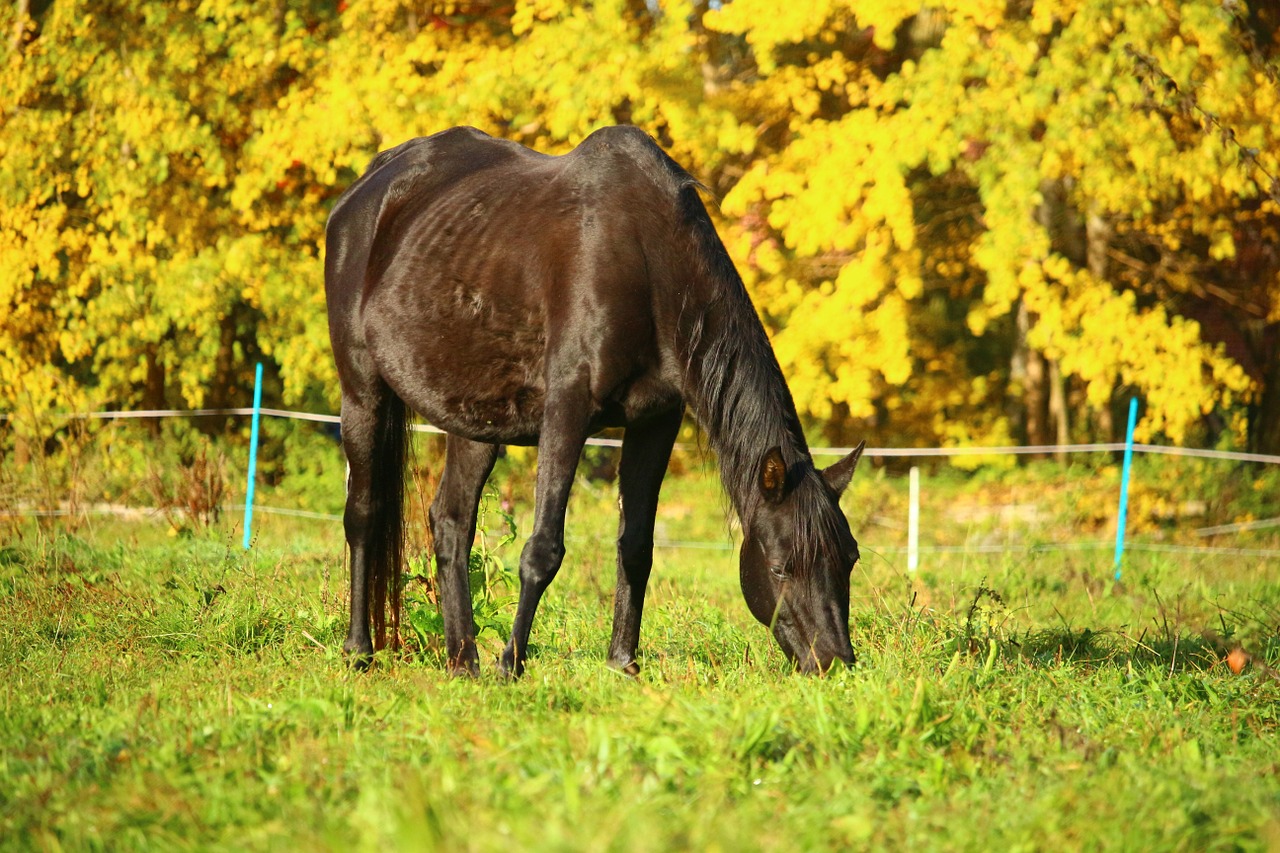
<point>629,666</point>
<point>509,668</point>
<point>465,669</point>
<point>359,655</point>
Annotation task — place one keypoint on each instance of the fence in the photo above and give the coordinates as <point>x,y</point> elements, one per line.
<point>913,549</point>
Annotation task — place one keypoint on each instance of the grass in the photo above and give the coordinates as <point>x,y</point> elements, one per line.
<point>176,692</point>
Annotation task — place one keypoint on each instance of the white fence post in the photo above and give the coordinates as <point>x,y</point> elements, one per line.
<point>913,522</point>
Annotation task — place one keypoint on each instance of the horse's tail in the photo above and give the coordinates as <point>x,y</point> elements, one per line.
<point>386,529</point>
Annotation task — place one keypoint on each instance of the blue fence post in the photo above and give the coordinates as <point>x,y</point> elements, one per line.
<point>253,456</point>
<point>1124,483</point>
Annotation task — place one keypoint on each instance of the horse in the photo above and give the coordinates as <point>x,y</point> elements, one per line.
<point>511,297</point>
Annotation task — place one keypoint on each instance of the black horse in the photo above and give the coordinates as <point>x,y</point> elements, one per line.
<point>512,297</point>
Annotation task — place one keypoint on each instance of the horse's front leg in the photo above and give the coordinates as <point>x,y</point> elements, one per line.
<point>453,528</point>
<point>646,448</point>
<point>564,431</point>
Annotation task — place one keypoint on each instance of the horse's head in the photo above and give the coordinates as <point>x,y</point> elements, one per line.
<point>797,553</point>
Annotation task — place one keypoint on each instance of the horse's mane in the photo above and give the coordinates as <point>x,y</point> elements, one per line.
<point>740,397</point>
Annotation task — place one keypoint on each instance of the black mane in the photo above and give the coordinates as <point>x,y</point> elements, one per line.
<point>739,396</point>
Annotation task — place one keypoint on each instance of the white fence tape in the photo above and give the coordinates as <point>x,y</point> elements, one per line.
<point>884,452</point>
<point>868,551</point>
<point>887,452</point>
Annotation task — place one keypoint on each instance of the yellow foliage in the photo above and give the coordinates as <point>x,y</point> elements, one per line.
<point>890,179</point>
<point>1009,110</point>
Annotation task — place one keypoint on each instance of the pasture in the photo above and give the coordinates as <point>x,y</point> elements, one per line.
<point>173,691</point>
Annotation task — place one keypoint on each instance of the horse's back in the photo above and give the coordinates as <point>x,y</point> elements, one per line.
<point>476,270</point>
<point>421,168</point>
<point>609,169</point>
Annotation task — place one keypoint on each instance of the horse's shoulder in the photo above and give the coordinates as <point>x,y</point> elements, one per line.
<point>625,138</point>
<point>627,148</point>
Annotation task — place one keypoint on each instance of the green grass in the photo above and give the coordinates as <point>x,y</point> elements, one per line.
<point>173,692</point>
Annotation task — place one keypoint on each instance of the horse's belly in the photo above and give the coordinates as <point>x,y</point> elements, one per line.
<point>501,412</point>
<point>484,397</point>
<point>474,376</point>
<point>468,349</point>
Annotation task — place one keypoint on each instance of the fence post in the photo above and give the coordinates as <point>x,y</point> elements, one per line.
<point>1124,483</point>
<point>253,456</point>
<point>913,521</point>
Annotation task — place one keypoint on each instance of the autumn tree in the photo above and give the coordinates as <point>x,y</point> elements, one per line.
<point>127,276</point>
<point>169,167</point>
<point>968,222</point>
<point>1034,112</point>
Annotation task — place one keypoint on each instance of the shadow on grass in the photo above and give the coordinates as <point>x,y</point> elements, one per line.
<point>1246,637</point>
<point>1176,652</point>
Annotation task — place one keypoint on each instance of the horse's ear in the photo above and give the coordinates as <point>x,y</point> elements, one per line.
<point>773,476</point>
<point>838,475</point>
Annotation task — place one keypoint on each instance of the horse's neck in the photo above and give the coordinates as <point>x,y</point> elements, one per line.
<point>736,390</point>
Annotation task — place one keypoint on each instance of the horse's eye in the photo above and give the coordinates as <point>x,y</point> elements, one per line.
<point>778,570</point>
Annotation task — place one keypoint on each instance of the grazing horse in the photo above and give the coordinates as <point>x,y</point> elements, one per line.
<point>510,297</point>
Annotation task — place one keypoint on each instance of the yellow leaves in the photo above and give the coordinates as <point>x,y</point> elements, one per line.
<point>115,267</point>
<point>985,14</point>
<point>528,13</point>
<point>844,341</point>
<point>1046,15</point>
<point>767,25</point>
<point>834,189</point>
<point>1222,246</point>
<point>1102,337</point>
<point>882,211</point>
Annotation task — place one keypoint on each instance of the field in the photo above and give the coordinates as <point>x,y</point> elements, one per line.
<point>170,690</point>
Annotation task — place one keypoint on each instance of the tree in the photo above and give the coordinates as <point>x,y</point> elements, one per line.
<point>169,167</point>
<point>1036,107</point>
<point>976,222</point>
<point>127,276</point>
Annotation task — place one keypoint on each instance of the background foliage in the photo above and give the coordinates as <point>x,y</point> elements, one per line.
<point>966,222</point>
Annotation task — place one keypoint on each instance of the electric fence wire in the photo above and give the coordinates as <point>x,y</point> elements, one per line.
<point>883,452</point>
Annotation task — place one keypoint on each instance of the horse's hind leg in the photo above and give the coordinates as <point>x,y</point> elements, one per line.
<point>453,527</point>
<point>375,441</point>
<point>646,448</point>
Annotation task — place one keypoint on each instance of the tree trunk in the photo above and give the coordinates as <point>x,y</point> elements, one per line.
<point>1073,240</point>
<point>1035,372</point>
<point>1035,398</point>
<point>223,386</point>
<point>1106,423</point>
<point>1058,413</point>
<point>153,396</point>
<point>1264,430</point>
<point>1097,239</point>
<point>1014,409</point>
<point>1098,233</point>
<point>19,25</point>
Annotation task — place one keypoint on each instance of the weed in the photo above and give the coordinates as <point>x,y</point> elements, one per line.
<point>193,494</point>
<point>492,581</point>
